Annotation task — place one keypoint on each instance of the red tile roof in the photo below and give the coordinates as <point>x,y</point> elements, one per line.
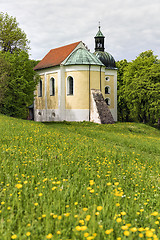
<point>56,56</point>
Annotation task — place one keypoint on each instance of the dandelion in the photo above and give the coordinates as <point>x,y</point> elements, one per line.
<point>49,236</point>
<point>83,228</point>
<point>109,184</point>
<point>40,194</point>
<point>92,191</point>
<point>14,236</point>
<point>78,228</point>
<point>108,231</point>
<point>99,208</point>
<point>124,227</point>
<point>58,232</point>
<point>119,220</point>
<point>85,209</point>
<point>86,234</point>
<point>66,214</point>
<point>88,217</point>
<point>35,204</point>
<point>141,235</point>
<point>154,214</point>
<point>116,183</point>
<point>126,233</point>
<point>123,213</point>
<point>28,234</point>
<point>149,233</point>
<point>18,185</point>
<point>134,229</point>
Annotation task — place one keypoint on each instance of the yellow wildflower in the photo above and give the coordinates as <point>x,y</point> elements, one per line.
<point>99,208</point>
<point>154,214</point>
<point>78,228</point>
<point>108,231</point>
<point>18,186</point>
<point>85,209</point>
<point>126,233</point>
<point>49,236</point>
<point>141,235</point>
<point>134,229</point>
<point>14,236</point>
<point>83,228</point>
<point>119,220</point>
<point>28,234</point>
<point>86,234</point>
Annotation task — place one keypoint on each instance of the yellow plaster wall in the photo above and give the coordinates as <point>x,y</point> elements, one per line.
<point>110,83</point>
<point>52,101</point>
<point>80,99</point>
<point>103,83</point>
<point>40,101</point>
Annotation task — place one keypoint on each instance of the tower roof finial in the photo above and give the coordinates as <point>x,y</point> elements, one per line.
<point>99,25</point>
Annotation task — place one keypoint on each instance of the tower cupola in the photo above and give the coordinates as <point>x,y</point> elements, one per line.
<point>99,40</point>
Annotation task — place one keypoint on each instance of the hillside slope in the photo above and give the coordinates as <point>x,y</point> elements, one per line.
<point>79,180</point>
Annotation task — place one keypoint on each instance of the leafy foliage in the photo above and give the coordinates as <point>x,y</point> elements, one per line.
<point>139,88</point>
<point>17,78</point>
<point>18,87</point>
<point>12,38</point>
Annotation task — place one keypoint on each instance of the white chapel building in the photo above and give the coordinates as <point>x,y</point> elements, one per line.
<point>68,77</point>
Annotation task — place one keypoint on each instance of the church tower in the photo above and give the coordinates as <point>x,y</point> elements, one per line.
<point>99,41</point>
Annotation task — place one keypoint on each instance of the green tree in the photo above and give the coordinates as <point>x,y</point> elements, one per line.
<point>12,37</point>
<point>4,77</point>
<point>142,88</point>
<point>123,111</point>
<point>19,85</point>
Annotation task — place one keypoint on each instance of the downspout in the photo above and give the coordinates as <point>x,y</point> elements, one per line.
<point>100,79</point>
<point>89,90</point>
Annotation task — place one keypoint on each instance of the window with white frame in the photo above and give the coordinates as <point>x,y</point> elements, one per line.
<point>108,101</point>
<point>52,86</point>
<point>107,90</point>
<point>40,88</point>
<point>70,85</point>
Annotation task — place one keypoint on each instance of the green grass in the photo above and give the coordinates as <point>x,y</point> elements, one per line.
<point>79,181</point>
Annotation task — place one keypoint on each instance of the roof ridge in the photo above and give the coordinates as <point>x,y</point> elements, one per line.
<point>66,45</point>
<point>56,56</point>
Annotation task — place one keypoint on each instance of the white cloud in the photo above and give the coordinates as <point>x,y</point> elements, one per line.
<point>130,26</point>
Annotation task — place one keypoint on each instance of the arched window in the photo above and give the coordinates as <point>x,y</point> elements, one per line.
<point>70,85</point>
<point>107,90</point>
<point>40,88</point>
<point>108,101</point>
<point>52,86</point>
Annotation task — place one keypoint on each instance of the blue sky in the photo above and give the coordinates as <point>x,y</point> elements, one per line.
<point>130,26</point>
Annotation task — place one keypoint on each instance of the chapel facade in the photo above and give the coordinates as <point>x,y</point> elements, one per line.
<point>68,75</point>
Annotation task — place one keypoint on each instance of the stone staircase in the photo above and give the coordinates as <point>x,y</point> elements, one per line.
<point>100,112</point>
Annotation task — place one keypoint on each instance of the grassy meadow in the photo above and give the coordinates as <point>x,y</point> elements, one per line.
<point>79,181</point>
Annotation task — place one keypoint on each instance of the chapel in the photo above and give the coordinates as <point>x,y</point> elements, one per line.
<point>77,85</point>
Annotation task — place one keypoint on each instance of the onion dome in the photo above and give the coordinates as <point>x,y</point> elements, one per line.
<point>106,58</point>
